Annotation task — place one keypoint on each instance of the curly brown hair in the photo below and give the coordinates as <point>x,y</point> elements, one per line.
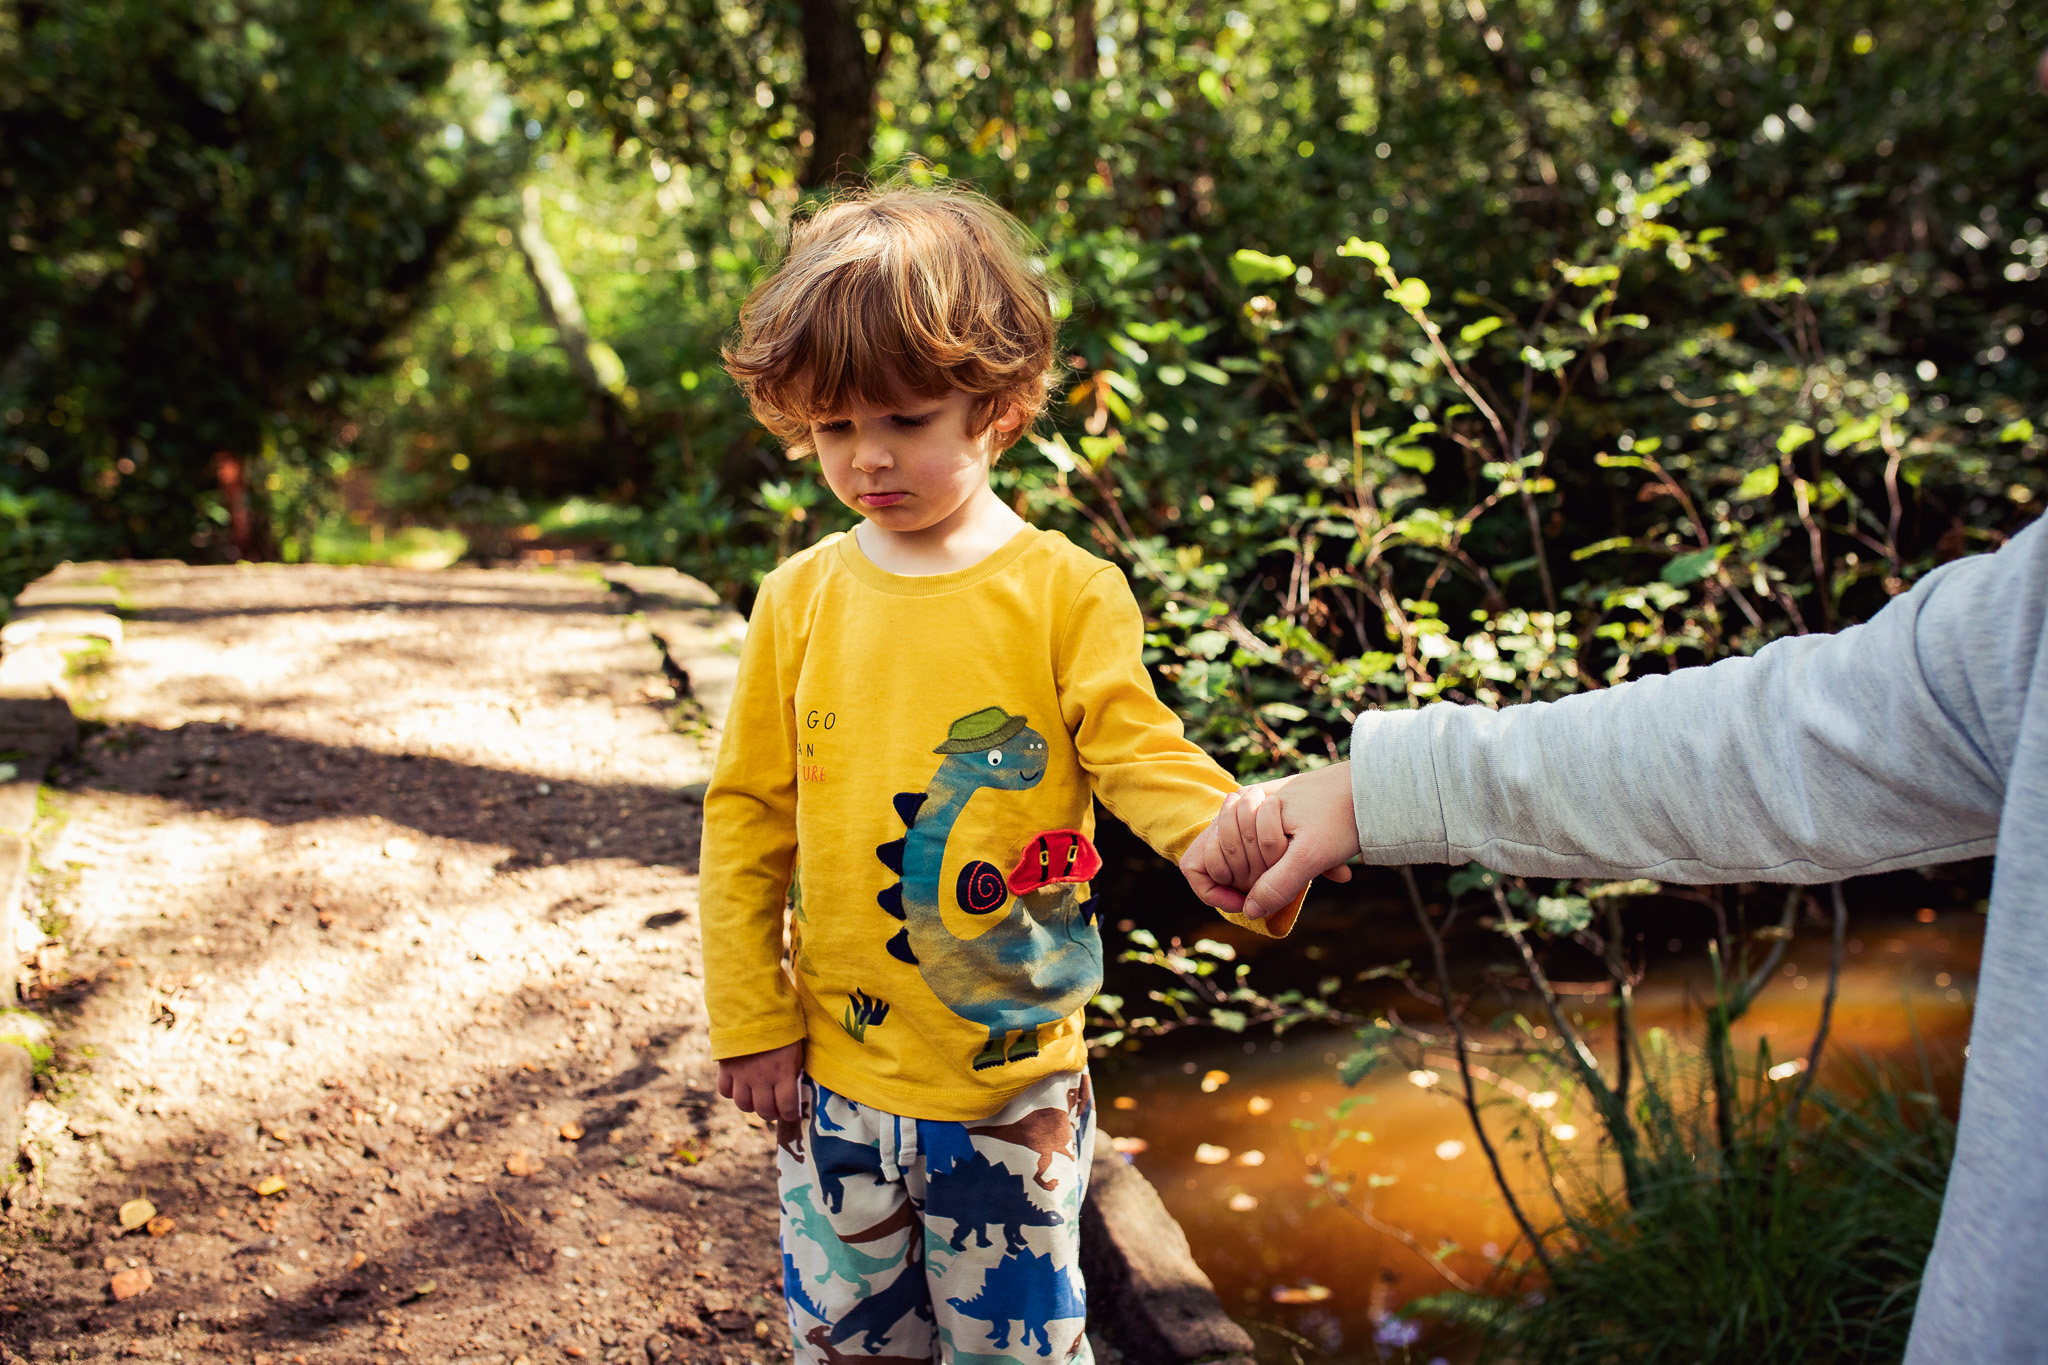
<point>899,292</point>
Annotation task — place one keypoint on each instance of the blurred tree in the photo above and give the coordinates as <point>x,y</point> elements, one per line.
<point>215,213</point>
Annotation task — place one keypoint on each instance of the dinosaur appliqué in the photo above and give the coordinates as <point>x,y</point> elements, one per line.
<point>1043,959</point>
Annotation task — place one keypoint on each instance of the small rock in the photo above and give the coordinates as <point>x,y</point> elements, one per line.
<point>401,850</point>
<point>129,1283</point>
<point>135,1213</point>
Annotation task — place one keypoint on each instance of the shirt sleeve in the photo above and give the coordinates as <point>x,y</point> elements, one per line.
<point>1887,745</point>
<point>750,851</point>
<point>1140,760</point>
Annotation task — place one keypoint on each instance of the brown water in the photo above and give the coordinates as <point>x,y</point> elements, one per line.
<point>1219,1135</point>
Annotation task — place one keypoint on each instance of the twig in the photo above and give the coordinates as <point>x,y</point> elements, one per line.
<point>1827,1005</point>
<point>1451,1016</point>
<point>1406,1238</point>
<point>508,1213</point>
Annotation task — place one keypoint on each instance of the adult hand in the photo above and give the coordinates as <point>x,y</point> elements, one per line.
<point>764,1083</point>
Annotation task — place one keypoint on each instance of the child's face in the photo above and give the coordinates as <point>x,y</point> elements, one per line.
<point>911,467</point>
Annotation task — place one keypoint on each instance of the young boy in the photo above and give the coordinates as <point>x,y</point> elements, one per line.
<point>925,709</point>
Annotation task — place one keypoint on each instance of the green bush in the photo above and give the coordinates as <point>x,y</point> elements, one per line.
<point>1795,1244</point>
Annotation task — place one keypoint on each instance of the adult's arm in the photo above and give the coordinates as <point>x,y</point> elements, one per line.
<point>1822,756</point>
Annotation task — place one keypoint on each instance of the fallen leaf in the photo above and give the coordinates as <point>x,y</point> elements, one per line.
<point>129,1283</point>
<point>161,1225</point>
<point>684,1155</point>
<point>1308,1293</point>
<point>271,1184</point>
<point>356,1261</point>
<point>135,1213</point>
<point>572,1131</point>
<point>521,1163</point>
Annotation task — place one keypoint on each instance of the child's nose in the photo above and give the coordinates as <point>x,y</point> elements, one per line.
<point>871,452</point>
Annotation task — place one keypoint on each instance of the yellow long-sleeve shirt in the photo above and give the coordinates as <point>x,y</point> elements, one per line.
<point>932,745</point>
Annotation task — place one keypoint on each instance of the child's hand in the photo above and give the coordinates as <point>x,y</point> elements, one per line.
<point>764,1083</point>
<point>1271,840</point>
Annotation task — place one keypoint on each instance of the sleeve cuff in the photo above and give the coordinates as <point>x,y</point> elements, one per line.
<point>1394,791</point>
<point>744,1042</point>
<point>1277,925</point>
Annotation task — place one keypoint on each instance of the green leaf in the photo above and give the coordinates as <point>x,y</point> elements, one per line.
<point>1212,88</point>
<point>1564,914</point>
<point>1371,251</point>
<point>1758,483</point>
<point>1411,294</point>
<point>1283,711</point>
<point>1230,1021</point>
<point>1793,437</point>
<point>1256,267</point>
<point>1202,370</point>
<point>1473,877</point>
<point>2020,430</point>
<point>1418,458</point>
<point>1690,568</point>
<point>1473,331</point>
<point>1173,376</point>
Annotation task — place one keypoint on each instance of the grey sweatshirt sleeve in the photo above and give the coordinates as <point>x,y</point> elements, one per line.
<point>1887,745</point>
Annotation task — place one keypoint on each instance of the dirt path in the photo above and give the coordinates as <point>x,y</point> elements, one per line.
<point>381,886</point>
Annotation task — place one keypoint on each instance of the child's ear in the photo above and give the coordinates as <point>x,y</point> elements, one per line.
<point>1012,418</point>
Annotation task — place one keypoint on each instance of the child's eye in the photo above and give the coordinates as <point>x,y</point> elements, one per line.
<point>833,427</point>
<point>910,423</point>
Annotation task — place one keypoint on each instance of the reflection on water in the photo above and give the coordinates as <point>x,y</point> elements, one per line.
<point>1221,1135</point>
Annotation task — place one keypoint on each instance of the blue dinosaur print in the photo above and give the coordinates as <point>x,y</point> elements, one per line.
<point>793,1289</point>
<point>874,1315</point>
<point>976,1194</point>
<point>836,1159</point>
<point>1037,964</point>
<point>845,1260</point>
<point>1027,1288</point>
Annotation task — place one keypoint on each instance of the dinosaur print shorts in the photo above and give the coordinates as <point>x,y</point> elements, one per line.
<point>911,1240</point>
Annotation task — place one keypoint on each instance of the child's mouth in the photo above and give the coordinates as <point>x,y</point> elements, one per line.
<point>881,499</point>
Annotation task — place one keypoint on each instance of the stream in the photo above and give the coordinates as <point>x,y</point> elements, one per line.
<point>1228,1127</point>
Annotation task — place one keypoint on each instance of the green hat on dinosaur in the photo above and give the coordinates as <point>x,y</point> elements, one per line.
<point>987,728</point>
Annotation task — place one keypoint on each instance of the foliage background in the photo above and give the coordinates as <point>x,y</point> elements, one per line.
<point>1416,348</point>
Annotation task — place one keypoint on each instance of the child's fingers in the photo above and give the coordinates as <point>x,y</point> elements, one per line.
<point>1340,873</point>
<point>1228,830</point>
<point>1207,889</point>
<point>1269,832</point>
<point>786,1100</point>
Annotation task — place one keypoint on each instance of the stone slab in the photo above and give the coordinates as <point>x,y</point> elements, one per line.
<point>60,623</point>
<point>700,634</point>
<point>18,792</point>
<point>1154,1302</point>
<point>17,1088</point>
<point>38,724</point>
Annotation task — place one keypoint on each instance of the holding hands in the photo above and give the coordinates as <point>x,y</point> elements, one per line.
<point>1271,840</point>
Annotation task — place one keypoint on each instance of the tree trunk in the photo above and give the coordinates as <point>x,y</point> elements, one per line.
<point>595,365</point>
<point>839,90</point>
<point>1086,67</point>
<point>248,528</point>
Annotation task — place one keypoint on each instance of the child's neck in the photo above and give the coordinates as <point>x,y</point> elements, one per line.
<point>980,528</point>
